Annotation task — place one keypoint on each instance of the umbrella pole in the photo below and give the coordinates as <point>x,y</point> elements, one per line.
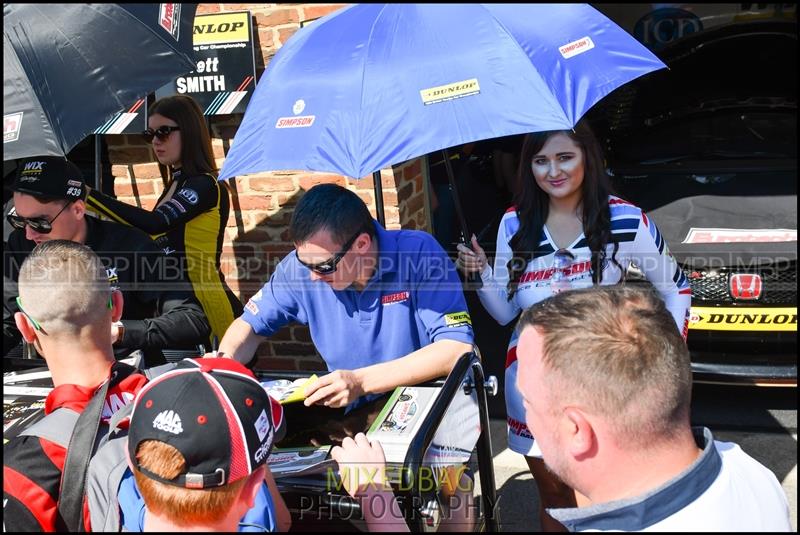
<point>98,164</point>
<point>376,178</point>
<point>465,235</point>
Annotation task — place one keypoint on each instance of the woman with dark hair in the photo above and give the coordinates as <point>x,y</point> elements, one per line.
<point>189,219</point>
<point>565,231</point>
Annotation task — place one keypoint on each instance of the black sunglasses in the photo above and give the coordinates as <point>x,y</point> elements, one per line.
<point>329,266</point>
<point>39,225</point>
<point>563,258</point>
<point>162,133</point>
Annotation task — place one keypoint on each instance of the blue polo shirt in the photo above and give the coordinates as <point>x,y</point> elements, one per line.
<point>413,299</point>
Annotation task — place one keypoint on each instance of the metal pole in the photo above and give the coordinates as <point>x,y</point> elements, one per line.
<point>485,466</point>
<point>376,178</point>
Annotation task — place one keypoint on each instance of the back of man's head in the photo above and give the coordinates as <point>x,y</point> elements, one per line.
<point>63,286</point>
<point>333,208</point>
<point>616,350</point>
<point>198,437</point>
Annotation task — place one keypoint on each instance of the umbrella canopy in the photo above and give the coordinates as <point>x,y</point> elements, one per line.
<point>67,68</point>
<point>377,84</point>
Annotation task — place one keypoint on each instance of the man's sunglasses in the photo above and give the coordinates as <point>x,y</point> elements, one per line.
<point>162,133</point>
<point>39,225</point>
<point>329,266</point>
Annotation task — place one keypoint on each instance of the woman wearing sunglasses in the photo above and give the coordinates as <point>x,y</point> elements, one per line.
<point>565,231</point>
<point>189,219</point>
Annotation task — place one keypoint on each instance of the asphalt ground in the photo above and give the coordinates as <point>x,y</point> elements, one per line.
<point>762,421</point>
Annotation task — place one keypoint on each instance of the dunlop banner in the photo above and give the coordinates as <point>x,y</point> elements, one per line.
<point>743,319</point>
<point>225,77</point>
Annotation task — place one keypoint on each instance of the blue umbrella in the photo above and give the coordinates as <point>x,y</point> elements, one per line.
<point>377,84</point>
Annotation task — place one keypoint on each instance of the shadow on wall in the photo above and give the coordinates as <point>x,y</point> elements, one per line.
<point>256,253</point>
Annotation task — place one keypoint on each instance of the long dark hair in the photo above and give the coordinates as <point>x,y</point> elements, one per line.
<point>533,204</point>
<point>197,157</point>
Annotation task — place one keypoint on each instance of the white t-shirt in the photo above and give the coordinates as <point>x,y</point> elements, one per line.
<point>723,490</point>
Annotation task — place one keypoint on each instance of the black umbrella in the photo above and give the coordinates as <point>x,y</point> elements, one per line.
<point>67,68</point>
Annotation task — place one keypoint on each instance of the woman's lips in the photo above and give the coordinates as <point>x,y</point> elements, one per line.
<point>557,183</point>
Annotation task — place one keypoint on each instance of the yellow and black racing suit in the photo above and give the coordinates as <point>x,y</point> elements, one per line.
<point>189,222</point>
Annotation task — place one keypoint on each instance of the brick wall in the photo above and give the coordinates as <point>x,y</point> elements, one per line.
<point>262,204</point>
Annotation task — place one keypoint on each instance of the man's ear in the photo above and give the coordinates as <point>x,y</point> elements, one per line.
<point>25,327</point>
<point>78,208</point>
<point>581,437</point>
<point>117,304</point>
<point>251,488</point>
<point>363,242</point>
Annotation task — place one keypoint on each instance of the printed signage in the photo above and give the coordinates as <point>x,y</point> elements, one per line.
<point>132,120</point>
<point>224,79</point>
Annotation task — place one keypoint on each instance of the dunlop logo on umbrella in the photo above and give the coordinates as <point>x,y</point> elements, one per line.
<point>452,91</point>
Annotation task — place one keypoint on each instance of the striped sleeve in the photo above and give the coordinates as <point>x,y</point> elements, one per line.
<point>494,292</point>
<point>651,254</point>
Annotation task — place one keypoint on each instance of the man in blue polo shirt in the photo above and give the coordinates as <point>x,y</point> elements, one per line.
<point>385,308</point>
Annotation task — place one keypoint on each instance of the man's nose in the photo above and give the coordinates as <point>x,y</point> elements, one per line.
<point>30,234</point>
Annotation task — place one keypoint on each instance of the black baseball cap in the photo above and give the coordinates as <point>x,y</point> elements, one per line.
<point>215,413</point>
<point>50,176</point>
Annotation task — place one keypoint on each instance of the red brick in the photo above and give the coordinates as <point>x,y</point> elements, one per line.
<point>266,38</point>
<point>301,334</point>
<point>280,364</point>
<point>294,349</point>
<point>265,349</point>
<point>285,200</point>
<point>415,204</point>
<point>367,196</point>
<point>254,236</point>
<point>309,181</point>
<point>413,169</point>
<point>389,198</point>
<point>313,12</point>
<point>238,7</point>
<point>119,170</point>
<point>146,170</point>
<point>203,9</point>
<point>283,334</point>
<point>311,364</point>
<point>124,187</point>
<point>277,17</point>
<point>258,202</point>
<point>405,192</point>
<point>219,151</point>
<point>128,155</point>
<point>284,34</point>
<point>271,184</point>
<point>280,219</point>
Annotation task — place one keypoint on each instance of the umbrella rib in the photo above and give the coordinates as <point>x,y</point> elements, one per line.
<point>363,77</point>
<point>41,88</point>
